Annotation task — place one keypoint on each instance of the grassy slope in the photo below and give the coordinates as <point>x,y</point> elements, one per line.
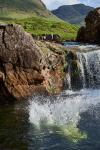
<point>35,18</point>
<point>20,9</point>
<point>40,25</point>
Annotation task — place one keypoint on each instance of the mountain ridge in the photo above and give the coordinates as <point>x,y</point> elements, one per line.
<point>35,18</point>
<point>74,14</point>
<point>12,9</point>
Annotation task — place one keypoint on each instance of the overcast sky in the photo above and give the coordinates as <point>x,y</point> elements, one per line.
<point>52,4</point>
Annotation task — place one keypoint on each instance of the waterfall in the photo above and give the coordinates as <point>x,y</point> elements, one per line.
<point>89,68</point>
<point>86,72</point>
<point>66,108</point>
<point>82,72</point>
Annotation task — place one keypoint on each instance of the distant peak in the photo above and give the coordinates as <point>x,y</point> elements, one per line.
<point>74,14</point>
<point>79,4</point>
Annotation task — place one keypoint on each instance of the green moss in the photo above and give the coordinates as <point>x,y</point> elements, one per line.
<point>75,69</point>
<point>65,67</point>
<point>73,133</point>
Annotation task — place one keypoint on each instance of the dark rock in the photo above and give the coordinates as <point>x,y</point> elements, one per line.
<point>90,33</point>
<point>71,56</point>
<point>47,37</point>
<point>81,35</point>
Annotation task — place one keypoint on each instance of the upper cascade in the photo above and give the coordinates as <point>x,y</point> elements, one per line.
<point>91,33</point>
<point>83,68</point>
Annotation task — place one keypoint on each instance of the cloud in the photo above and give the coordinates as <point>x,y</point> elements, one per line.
<point>94,3</point>
<point>52,4</point>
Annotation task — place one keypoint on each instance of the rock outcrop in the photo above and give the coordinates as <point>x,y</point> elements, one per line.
<point>28,66</point>
<point>91,33</point>
<point>47,37</point>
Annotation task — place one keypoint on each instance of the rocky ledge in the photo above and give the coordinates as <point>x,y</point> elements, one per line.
<point>91,33</point>
<point>28,66</point>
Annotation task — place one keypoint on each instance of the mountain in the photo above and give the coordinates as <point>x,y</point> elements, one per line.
<point>74,14</point>
<point>35,18</point>
<point>11,9</point>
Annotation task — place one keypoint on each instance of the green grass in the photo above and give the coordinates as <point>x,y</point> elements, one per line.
<point>41,25</point>
<point>20,9</point>
<point>35,18</point>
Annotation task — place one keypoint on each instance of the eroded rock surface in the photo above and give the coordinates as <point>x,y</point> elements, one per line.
<point>91,33</point>
<point>28,66</point>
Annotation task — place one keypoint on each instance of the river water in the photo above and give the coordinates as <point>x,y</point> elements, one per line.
<point>69,121</point>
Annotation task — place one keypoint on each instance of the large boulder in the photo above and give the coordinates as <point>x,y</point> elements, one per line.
<point>90,33</point>
<point>26,65</point>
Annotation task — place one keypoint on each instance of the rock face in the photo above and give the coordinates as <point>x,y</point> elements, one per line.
<point>26,65</point>
<point>90,33</point>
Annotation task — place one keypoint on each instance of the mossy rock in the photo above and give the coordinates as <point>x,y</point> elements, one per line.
<point>75,69</point>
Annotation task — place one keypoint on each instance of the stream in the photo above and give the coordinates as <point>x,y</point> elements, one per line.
<point>69,121</point>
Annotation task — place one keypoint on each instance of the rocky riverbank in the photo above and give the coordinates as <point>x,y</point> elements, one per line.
<point>28,66</point>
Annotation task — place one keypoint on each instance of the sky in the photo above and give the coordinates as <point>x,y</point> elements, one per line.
<point>53,4</point>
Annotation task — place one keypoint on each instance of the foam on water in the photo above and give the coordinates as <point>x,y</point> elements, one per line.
<point>63,110</point>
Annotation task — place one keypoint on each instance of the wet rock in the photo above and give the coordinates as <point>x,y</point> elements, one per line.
<point>71,56</point>
<point>22,61</point>
<point>73,71</point>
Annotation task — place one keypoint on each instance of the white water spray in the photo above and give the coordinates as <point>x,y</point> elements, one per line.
<point>67,107</point>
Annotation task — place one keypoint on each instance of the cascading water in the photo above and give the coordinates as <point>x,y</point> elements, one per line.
<point>90,68</point>
<point>63,114</point>
<point>59,110</point>
<point>86,74</point>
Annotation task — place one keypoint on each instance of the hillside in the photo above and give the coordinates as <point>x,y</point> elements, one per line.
<point>11,9</point>
<point>74,14</point>
<point>39,26</point>
<point>35,18</point>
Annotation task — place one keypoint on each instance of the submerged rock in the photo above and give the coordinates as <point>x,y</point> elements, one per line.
<point>90,33</point>
<point>28,66</point>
